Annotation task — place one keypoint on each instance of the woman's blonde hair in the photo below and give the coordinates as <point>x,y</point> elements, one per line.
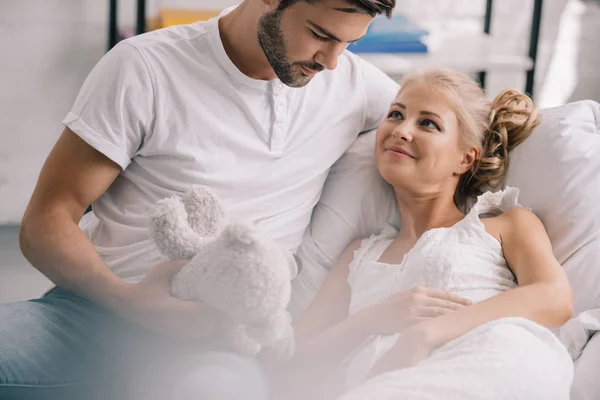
<point>495,128</point>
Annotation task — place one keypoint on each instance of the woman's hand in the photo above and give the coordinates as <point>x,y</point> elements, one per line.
<point>414,345</point>
<point>405,309</point>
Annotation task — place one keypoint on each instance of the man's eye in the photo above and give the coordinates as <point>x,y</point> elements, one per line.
<point>319,37</point>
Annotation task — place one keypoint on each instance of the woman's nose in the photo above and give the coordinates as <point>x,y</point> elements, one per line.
<point>403,132</point>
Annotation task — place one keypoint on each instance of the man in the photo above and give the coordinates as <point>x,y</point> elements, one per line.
<point>258,103</point>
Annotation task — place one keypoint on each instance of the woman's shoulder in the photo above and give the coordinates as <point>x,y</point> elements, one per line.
<point>518,219</point>
<point>497,202</point>
<point>501,213</point>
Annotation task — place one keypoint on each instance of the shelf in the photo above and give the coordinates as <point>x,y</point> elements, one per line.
<point>464,52</point>
<point>470,53</point>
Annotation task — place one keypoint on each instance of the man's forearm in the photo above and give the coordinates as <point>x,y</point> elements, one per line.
<point>54,244</point>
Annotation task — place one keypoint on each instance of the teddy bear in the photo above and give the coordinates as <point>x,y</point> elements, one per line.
<point>234,268</point>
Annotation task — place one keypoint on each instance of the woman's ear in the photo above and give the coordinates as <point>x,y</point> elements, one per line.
<point>467,161</point>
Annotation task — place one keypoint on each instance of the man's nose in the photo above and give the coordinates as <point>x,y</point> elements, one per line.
<point>328,57</point>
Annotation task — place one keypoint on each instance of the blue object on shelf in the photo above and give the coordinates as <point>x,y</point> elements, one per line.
<point>388,47</point>
<point>399,34</point>
<point>399,26</point>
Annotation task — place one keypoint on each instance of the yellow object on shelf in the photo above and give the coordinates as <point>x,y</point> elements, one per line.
<point>174,16</point>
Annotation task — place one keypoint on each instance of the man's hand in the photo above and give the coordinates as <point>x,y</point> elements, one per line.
<point>150,304</point>
<point>402,310</point>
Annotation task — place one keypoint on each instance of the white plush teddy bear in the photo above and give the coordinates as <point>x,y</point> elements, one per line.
<point>234,268</point>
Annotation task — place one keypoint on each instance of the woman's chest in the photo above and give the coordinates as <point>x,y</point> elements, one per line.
<point>456,266</point>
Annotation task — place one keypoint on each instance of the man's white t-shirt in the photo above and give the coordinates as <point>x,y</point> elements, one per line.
<point>172,110</point>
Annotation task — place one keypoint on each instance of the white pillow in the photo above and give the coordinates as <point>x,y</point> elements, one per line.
<point>355,203</point>
<point>557,170</point>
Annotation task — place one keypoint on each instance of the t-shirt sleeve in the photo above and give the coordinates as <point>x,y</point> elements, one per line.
<point>380,92</point>
<point>114,110</point>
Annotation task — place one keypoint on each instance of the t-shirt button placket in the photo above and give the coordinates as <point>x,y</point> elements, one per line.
<point>277,140</point>
<point>278,126</point>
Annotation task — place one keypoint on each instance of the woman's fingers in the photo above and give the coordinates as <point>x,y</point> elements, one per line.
<point>446,296</point>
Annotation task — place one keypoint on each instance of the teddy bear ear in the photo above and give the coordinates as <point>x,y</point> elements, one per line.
<point>204,210</point>
<point>170,230</point>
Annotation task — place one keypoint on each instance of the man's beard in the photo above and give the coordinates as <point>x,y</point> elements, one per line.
<point>271,41</point>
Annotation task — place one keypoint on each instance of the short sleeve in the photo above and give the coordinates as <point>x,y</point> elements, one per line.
<point>380,92</point>
<point>114,110</point>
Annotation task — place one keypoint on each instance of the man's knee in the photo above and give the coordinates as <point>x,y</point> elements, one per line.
<point>21,356</point>
<point>40,344</point>
<point>220,382</point>
<point>206,376</point>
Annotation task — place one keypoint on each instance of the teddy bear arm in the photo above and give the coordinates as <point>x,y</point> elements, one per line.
<point>238,337</point>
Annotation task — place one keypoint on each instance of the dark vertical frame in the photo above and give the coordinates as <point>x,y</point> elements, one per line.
<point>533,45</point>
<point>487,24</point>
<point>113,25</point>
<point>140,26</point>
<point>113,31</point>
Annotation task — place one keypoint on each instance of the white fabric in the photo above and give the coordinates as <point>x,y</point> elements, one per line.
<point>576,333</point>
<point>557,172</point>
<point>463,259</point>
<point>586,385</point>
<point>510,358</point>
<point>172,110</point>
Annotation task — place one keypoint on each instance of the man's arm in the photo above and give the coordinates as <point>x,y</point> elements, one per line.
<point>73,176</point>
<point>110,119</point>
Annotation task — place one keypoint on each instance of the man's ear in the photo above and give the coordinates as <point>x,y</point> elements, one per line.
<point>467,161</point>
<point>271,3</point>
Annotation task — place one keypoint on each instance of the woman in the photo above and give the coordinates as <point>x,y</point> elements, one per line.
<point>381,308</point>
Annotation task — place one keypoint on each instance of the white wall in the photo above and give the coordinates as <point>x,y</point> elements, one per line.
<point>47,47</point>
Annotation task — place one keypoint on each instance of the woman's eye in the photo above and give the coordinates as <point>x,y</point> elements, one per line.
<point>430,124</point>
<point>319,37</point>
<point>395,114</point>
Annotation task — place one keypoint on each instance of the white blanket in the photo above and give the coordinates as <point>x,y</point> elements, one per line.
<point>511,358</point>
<point>576,333</point>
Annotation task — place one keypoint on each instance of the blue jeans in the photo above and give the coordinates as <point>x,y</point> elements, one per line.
<point>65,347</point>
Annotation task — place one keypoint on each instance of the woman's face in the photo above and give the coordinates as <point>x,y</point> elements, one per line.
<point>418,146</point>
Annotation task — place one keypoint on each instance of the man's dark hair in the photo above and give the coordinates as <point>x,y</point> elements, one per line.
<point>370,7</point>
